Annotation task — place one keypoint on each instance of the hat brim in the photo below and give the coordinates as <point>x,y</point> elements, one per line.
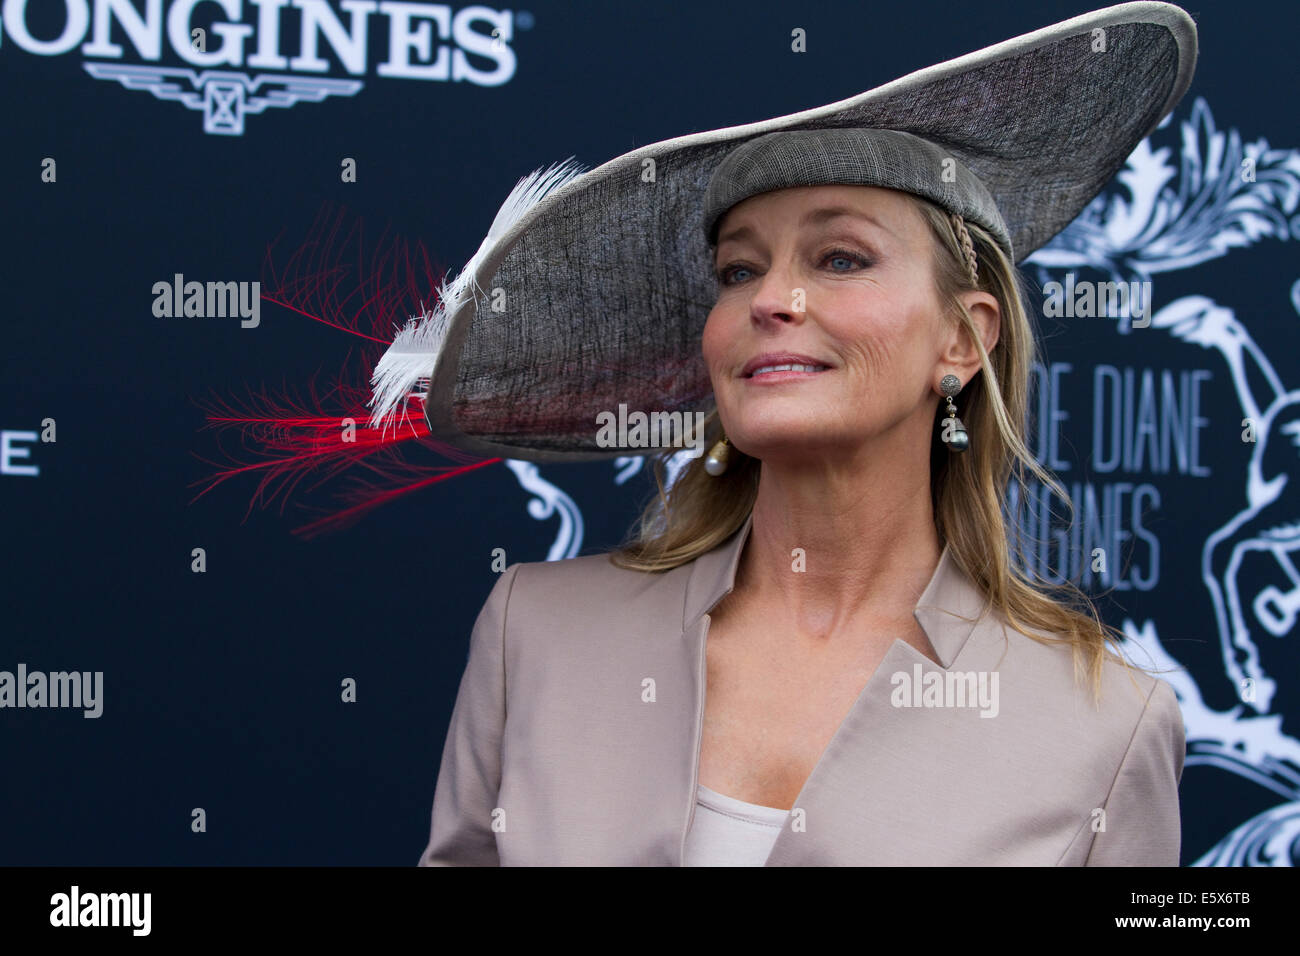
<point>606,281</point>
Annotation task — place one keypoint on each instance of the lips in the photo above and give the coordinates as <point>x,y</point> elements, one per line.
<point>772,363</point>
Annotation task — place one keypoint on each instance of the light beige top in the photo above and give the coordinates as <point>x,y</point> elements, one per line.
<point>731,832</point>
<point>575,738</point>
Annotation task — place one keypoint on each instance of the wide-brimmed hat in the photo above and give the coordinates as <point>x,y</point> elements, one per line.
<point>591,289</point>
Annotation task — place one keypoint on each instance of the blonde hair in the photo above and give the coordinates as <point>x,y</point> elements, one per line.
<point>700,511</point>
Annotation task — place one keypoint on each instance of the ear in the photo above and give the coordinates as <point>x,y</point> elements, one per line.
<point>960,356</point>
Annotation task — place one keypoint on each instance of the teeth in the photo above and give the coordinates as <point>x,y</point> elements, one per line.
<point>787,368</point>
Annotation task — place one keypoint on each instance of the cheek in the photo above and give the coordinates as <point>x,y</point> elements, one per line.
<point>713,340</point>
<point>869,325</point>
<point>885,334</point>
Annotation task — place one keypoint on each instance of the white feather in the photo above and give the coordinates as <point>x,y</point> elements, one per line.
<point>404,370</point>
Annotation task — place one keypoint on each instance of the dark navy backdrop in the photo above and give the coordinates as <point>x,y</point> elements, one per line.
<point>222,689</point>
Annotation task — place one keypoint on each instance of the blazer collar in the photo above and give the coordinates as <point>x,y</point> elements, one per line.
<point>948,609</point>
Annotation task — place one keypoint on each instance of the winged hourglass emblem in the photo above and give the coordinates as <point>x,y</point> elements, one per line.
<point>224,97</point>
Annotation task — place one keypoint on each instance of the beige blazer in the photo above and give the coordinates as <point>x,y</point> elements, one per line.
<point>575,738</point>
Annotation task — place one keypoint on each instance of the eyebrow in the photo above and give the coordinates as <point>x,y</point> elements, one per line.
<point>814,217</point>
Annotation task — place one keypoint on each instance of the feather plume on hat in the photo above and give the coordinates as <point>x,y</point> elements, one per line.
<point>404,370</point>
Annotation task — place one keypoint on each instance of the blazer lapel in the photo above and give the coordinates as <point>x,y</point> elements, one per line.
<point>843,815</point>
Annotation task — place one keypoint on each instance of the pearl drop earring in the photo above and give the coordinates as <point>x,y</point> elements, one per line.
<point>719,457</point>
<point>954,434</point>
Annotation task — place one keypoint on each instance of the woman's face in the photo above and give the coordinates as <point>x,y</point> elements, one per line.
<point>840,278</point>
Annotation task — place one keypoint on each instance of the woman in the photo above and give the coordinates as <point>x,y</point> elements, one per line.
<point>817,648</point>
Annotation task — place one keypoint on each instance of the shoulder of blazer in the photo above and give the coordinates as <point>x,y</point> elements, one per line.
<point>591,593</point>
<point>1137,711</point>
<point>1125,689</point>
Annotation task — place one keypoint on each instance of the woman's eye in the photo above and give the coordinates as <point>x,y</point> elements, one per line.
<point>844,261</point>
<point>727,274</point>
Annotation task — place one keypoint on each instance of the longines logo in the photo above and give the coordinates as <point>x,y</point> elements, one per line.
<point>227,96</point>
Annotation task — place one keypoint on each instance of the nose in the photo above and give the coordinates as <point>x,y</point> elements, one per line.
<point>778,297</point>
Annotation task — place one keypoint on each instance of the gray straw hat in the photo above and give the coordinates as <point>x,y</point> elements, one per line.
<point>591,289</point>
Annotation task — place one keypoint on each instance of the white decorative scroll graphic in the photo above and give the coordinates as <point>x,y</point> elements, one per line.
<point>549,500</point>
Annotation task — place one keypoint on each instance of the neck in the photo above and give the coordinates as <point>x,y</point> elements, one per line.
<point>866,538</point>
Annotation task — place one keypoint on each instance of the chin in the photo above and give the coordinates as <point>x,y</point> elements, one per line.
<point>777,438</point>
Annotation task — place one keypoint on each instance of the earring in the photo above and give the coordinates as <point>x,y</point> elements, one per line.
<point>719,457</point>
<point>954,432</point>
